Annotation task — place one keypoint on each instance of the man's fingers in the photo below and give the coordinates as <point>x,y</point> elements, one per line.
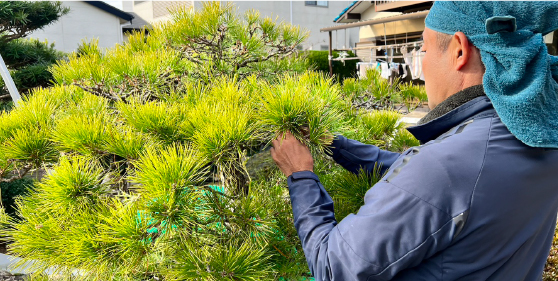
<point>283,139</point>
<point>290,154</point>
<point>289,135</point>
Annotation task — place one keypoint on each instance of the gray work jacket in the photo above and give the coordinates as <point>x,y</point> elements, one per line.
<point>471,203</point>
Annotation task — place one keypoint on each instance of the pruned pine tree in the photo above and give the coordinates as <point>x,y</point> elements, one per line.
<point>218,42</point>
<point>198,47</point>
<point>147,164</point>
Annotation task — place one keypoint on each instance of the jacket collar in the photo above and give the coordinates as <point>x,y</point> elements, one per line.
<point>457,114</point>
<point>454,101</point>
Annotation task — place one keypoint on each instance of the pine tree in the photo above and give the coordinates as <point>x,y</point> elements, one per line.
<point>27,59</point>
<point>154,159</point>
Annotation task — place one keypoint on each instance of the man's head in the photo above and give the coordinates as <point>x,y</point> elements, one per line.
<point>450,64</point>
<point>520,77</point>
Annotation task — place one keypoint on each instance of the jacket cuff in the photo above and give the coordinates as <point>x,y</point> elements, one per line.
<point>339,142</point>
<point>300,176</point>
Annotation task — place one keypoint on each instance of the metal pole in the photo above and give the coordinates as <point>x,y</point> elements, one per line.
<point>330,57</point>
<point>9,82</point>
<point>291,11</point>
<point>345,43</point>
<point>385,42</point>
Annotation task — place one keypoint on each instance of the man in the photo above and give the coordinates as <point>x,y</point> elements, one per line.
<point>478,200</point>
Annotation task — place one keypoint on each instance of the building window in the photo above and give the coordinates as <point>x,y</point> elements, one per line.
<point>316,3</point>
<point>324,47</point>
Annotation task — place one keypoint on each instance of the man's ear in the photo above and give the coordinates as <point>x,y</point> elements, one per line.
<point>460,50</point>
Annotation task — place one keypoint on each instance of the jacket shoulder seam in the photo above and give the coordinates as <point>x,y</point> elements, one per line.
<point>482,165</point>
<point>416,196</point>
<point>483,162</point>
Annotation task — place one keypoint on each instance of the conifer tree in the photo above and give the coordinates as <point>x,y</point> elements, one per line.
<point>152,157</point>
<point>27,59</point>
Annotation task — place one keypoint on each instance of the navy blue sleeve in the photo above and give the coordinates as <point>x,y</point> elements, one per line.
<point>393,231</point>
<point>353,155</point>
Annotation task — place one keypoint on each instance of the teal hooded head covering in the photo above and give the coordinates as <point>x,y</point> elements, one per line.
<point>521,77</point>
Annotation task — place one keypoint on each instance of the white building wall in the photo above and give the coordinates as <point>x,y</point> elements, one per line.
<point>83,21</point>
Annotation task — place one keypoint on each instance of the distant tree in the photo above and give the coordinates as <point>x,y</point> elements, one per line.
<point>27,59</point>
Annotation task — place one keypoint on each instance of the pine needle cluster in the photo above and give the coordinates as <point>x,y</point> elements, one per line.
<point>146,156</point>
<point>309,106</point>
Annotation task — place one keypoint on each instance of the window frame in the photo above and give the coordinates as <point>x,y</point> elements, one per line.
<point>306,3</point>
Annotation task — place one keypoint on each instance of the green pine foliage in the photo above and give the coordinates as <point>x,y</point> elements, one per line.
<point>196,47</point>
<point>247,44</point>
<point>403,140</point>
<point>376,127</point>
<point>341,70</point>
<point>82,133</point>
<point>309,106</point>
<point>21,18</point>
<point>158,119</point>
<point>347,189</point>
<point>30,145</point>
<point>147,155</point>
<point>411,95</point>
<point>374,92</point>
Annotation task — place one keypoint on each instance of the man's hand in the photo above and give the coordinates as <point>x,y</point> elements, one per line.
<point>290,155</point>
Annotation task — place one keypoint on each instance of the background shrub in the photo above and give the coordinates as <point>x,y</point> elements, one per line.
<point>319,59</point>
<point>10,190</point>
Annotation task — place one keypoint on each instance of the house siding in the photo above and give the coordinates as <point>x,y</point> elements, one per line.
<point>83,22</point>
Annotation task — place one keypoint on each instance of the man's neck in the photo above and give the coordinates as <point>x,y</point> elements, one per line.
<point>452,102</point>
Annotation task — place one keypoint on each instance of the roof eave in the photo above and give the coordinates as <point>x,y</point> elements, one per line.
<point>421,14</point>
<point>346,11</point>
<point>111,10</point>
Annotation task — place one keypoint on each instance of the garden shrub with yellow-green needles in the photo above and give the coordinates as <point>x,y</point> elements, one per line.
<point>374,92</point>
<point>146,148</point>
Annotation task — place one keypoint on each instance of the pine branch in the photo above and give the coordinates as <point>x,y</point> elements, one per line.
<point>20,175</point>
<point>99,92</point>
<point>208,188</point>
